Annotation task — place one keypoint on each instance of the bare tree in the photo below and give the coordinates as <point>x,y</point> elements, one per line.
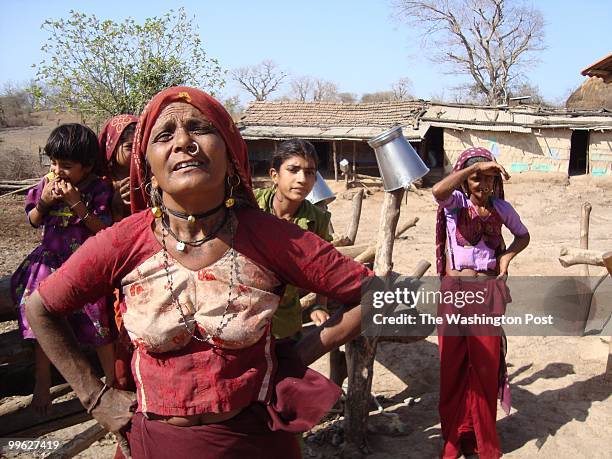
<point>490,40</point>
<point>324,90</point>
<point>381,96</point>
<point>301,88</point>
<point>233,106</point>
<point>525,88</point>
<point>259,80</point>
<point>316,89</point>
<point>347,97</point>
<point>402,89</point>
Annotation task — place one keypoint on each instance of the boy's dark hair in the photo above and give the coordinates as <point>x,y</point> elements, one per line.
<point>294,147</point>
<point>73,142</point>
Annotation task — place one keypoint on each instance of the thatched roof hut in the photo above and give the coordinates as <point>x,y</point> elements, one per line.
<point>593,94</point>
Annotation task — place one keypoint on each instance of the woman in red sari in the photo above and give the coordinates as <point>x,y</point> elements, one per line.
<point>471,257</point>
<point>200,268</point>
<point>116,139</point>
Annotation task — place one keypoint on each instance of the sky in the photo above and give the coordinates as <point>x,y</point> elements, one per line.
<point>360,45</point>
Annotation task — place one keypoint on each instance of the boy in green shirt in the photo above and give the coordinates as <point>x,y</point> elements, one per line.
<point>293,171</point>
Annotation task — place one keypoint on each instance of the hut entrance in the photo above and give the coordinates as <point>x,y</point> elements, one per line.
<point>434,147</point>
<point>323,152</point>
<point>578,153</point>
<point>432,153</point>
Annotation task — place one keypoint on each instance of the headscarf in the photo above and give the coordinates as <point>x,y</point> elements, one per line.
<point>498,192</point>
<point>111,133</point>
<point>215,113</point>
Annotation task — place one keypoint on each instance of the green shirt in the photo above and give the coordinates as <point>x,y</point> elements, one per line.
<point>287,320</point>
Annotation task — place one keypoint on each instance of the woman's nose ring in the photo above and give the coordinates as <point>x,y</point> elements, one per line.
<point>193,149</point>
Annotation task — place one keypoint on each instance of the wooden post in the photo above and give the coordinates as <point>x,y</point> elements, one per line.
<point>569,256</point>
<point>362,350</point>
<point>22,403</point>
<point>14,349</point>
<point>79,443</point>
<point>7,308</point>
<point>354,155</point>
<point>607,259</point>
<point>335,160</point>
<point>24,420</point>
<point>351,232</point>
<point>584,232</point>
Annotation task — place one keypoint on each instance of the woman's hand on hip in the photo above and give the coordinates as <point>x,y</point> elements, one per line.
<point>115,409</point>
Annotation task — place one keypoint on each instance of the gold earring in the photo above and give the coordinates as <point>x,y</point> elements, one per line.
<point>230,201</point>
<point>156,201</point>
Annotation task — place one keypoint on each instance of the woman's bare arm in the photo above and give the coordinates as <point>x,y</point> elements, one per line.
<point>57,341</point>
<point>445,187</point>
<point>519,244</point>
<point>112,408</point>
<point>339,329</point>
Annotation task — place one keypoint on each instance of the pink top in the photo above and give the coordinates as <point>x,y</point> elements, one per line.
<point>177,375</point>
<point>478,255</point>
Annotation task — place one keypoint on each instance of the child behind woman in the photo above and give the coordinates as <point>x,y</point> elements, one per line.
<point>116,139</point>
<point>71,204</point>
<point>116,144</point>
<point>293,172</point>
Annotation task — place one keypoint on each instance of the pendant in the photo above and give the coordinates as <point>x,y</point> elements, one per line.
<point>156,211</point>
<point>180,246</point>
<point>191,219</point>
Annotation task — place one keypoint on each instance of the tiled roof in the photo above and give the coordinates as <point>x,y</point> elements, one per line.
<point>515,119</point>
<point>333,114</point>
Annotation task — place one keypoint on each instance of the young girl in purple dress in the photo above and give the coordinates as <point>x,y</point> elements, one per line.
<point>71,204</point>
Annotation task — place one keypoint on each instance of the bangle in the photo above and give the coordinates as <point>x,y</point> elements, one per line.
<point>86,216</point>
<point>76,204</point>
<point>97,398</point>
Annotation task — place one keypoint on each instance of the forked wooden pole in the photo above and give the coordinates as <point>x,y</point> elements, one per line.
<point>362,350</point>
<point>584,232</point>
<point>607,259</point>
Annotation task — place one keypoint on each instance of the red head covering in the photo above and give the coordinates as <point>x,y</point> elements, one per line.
<point>498,192</point>
<point>214,112</point>
<point>111,133</point>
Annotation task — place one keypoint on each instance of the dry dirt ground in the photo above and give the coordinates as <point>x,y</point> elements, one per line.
<point>561,403</point>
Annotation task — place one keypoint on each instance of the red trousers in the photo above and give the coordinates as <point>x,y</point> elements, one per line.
<point>469,368</point>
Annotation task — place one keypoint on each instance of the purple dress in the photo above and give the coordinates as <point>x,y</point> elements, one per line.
<point>63,233</point>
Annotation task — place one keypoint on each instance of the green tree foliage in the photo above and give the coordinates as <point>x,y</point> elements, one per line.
<point>102,68</point>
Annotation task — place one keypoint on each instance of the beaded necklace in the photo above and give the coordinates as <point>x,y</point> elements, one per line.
<point>180,244</point>
<point>191,218</point>
<point>225,318</point>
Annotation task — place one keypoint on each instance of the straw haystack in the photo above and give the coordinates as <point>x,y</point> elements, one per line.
<point>593,94</point>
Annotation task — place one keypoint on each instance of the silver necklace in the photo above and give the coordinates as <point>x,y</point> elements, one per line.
<point>180,244</point>
<point>225,318</point>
